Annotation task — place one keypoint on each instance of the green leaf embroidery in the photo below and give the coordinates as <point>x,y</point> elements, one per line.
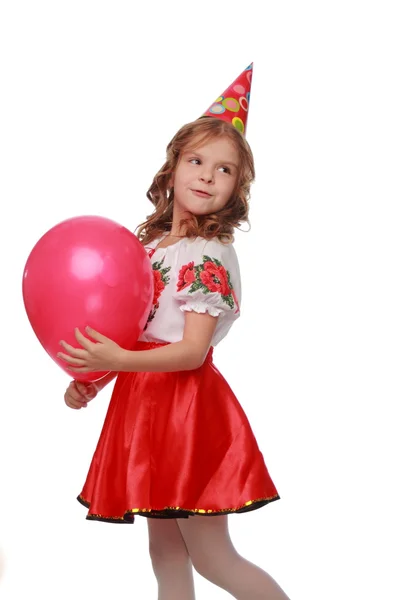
<point>196,285</point>
<point>157,266</point>
<point>213,260</point>
<point>229,301</point>
<point>164,276</point>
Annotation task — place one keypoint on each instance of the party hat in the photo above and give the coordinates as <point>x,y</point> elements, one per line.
<point>233,105</point>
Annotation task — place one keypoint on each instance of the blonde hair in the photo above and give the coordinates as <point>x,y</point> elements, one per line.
<point>220,224</point>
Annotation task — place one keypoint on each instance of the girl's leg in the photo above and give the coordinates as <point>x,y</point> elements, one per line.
<point>171,562</point>
<point>215,558</point>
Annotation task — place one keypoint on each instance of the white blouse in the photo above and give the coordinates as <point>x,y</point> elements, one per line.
<point>192,275</point>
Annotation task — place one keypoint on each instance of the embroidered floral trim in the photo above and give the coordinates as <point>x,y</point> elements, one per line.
<point>209,276</point>
<point>161,280</point>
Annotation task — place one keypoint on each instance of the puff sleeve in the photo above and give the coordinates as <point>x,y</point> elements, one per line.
<point>209,279</point>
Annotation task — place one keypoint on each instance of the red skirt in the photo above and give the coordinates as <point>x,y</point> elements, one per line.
<point>175,445</point>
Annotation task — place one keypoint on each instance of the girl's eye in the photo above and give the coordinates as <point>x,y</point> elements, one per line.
<point>197,161</point>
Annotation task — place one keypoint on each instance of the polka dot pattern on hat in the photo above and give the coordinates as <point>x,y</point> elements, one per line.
<point>233,104</point>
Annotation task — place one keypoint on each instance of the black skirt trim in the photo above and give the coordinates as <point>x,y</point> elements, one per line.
<point>175,512</point>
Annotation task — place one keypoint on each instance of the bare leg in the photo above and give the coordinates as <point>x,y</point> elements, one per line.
<point>171,562</point>
<point>215,558</point>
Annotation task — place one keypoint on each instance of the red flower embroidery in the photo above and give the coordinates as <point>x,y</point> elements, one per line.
<point>160,279</point>
<point>186,276</point>
<point>208,276</point>
<point>215,278</point>
<point>159,286</point>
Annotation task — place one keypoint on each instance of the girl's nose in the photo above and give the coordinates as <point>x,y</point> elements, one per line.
<point>206,176</point>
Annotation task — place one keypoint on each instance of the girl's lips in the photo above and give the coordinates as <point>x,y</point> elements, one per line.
<point>201,194</point>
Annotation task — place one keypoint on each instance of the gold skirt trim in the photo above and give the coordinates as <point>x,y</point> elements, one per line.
<point>175,512</point>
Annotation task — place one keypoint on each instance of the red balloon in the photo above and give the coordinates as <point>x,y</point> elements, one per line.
<point>87,271</point>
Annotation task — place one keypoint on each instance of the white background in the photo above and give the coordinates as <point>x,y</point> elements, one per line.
<point>91,92</point>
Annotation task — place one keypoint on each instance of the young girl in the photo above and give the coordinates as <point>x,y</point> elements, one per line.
<point>176,446</point>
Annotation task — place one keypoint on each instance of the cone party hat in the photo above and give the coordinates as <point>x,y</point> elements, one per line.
<point>233,105</point>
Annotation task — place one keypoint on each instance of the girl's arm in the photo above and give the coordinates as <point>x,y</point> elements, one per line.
<point>185,355</point>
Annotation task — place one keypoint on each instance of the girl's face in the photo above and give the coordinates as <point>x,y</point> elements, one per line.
<point>205,178</point>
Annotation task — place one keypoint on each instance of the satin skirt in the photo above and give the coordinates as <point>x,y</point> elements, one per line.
<point>175,445</point>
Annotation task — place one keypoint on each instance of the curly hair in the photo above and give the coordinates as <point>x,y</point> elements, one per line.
<point>220,224</point>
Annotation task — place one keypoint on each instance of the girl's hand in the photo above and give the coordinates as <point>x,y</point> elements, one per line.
<point>79,393</point>
<point>101,355</point>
